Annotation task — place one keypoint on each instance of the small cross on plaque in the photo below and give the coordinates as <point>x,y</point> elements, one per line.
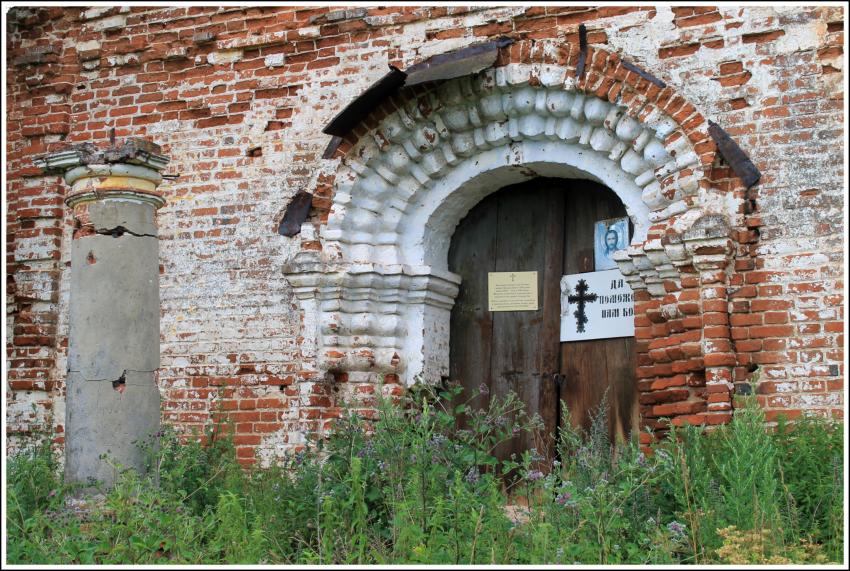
<point>582,298</point>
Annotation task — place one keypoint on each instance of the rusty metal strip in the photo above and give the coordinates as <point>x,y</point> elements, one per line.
<point>457,63</point>
<point>332,147</point>
<point>296,214</point>
<point>644,74</point>
<point>734,156</point>
<point>360,108</point>
<point>582,46</point>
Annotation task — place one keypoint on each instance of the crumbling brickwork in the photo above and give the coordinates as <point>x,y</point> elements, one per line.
<point>237,97</point>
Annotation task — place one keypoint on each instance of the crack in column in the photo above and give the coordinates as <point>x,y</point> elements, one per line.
<point>119,231</point>
<point>121,378</point>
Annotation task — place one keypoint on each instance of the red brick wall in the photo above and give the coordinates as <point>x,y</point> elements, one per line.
<point>237,98</point>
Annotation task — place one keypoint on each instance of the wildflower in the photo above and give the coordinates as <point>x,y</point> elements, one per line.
<point>438,440</point>
<point>563,498</point>
<point>676,528</point>
<point>367,450</point>
<point>535,456</point>
<point>483,389</point>
<point>641,459</point>
<point>472,476</point>
<point>535,475</point>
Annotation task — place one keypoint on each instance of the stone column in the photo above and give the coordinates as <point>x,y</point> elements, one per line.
<point>113,347</point>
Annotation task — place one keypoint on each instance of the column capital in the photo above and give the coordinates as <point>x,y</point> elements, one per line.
<point>131,171</point>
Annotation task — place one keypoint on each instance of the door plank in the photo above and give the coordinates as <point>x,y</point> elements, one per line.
<point>550,358</point>
<point>515,360</point>
<point>471,255</point>
<point>585,370</point>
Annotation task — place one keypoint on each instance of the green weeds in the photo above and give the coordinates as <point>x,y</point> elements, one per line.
<point>413,488</point>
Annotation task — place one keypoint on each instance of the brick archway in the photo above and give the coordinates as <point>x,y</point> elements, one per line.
<point>371,276</point>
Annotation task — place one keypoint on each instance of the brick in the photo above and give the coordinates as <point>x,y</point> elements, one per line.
<point>762,37</point>
<point>675,409</point>
<point>678,51</point>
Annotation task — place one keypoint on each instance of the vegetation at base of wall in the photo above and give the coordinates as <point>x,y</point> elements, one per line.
<point>414,488</point>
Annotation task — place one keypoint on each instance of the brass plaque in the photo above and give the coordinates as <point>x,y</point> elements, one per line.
<point>512,291</point>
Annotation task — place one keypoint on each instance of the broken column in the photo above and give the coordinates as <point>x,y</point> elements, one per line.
<point>112,400</point>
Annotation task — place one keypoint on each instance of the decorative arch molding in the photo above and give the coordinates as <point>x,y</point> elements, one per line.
<point>372,274</point>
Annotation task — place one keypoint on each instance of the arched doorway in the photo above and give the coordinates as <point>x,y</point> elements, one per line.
<point>371,274</point>
<point>545,225</point>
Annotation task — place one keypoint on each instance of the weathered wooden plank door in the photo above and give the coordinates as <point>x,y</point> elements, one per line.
<point>519,228</point>
<point>600,369</point>
<point>545,225</point>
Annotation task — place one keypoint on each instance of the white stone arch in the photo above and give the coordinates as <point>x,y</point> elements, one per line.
<point>380,290</point>
<point>431,226</point>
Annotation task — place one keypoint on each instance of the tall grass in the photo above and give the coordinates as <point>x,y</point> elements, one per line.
<point>413,488</point>
<point>782,485</point>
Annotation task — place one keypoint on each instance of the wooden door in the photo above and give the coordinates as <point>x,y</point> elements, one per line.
<point>601,369</point>
<point>534,226</point>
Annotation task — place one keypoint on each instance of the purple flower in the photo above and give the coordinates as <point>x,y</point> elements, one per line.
<point>472,476</point>
<point>641,459</point>
<point>535,475</point>
<point>676,528</point>
<point>483,389</point>
<point>563,498</point>
<point>438,440</point>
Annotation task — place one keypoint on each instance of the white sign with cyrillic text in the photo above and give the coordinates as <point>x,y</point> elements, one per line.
<point>596,305</point>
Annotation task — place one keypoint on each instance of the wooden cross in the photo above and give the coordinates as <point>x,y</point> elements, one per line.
<point>582,298</point>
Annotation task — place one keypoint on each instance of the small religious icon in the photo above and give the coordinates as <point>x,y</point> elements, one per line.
<point>609,236</point>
